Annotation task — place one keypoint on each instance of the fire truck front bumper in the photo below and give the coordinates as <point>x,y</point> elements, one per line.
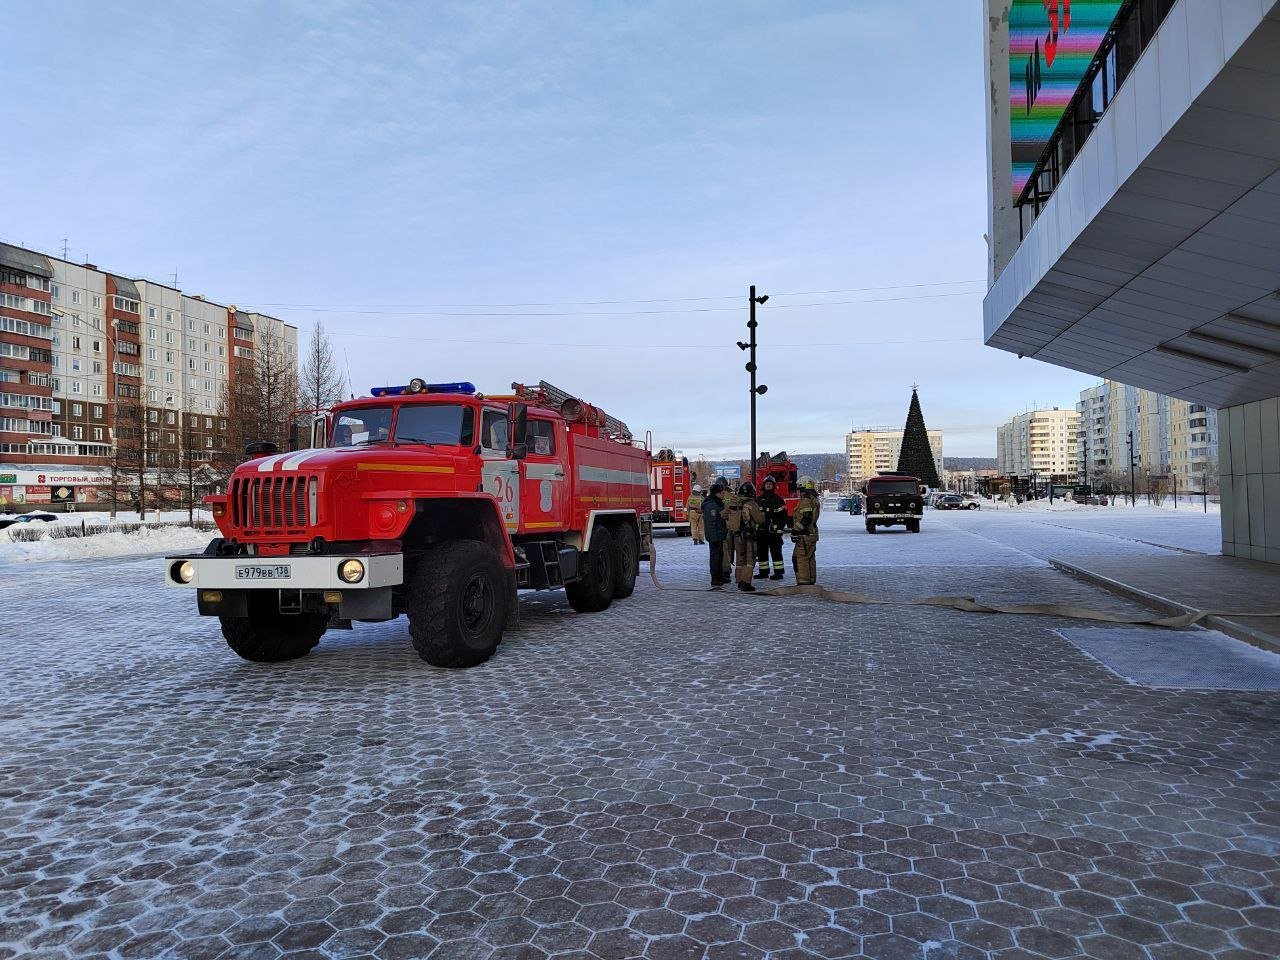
<point>354,586</point>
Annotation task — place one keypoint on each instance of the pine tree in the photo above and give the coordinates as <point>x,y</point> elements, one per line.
<point>321,384</point>
<point>916,458</point>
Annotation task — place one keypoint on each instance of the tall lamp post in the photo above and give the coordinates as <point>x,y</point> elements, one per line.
<point>1133,474</point>
<point>750,346</point>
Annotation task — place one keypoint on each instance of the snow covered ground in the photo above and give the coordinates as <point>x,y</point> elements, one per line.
<point>162,539</point>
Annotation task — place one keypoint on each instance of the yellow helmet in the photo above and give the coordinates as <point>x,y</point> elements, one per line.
<point>806,483</point>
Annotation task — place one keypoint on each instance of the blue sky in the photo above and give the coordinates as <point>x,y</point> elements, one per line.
<point>620,171</point>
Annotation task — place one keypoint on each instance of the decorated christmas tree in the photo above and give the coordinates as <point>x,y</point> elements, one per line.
<point>916,458</point>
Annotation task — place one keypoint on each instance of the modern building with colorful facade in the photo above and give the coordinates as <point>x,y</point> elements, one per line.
<point>1134,225</point>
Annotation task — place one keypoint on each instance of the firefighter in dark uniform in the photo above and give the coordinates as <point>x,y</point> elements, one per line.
<point>769,538</point>
<point>713,517</point>
<point>804,534</point>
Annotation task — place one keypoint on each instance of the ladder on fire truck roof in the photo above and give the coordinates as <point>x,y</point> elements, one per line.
<point>570,407</point>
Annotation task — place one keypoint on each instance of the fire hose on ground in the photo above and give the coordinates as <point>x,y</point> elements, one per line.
<point>1067,611</point>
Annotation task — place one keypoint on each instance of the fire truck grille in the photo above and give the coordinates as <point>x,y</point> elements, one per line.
<point>270,502</point>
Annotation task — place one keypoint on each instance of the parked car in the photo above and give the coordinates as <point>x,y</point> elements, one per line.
<point>953,501</point>
<point>35,518</point>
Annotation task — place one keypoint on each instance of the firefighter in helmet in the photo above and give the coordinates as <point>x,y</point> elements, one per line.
<point>744,520</point>
<point>769,537</point>
<point>804,534</point>
<point>693,509</point>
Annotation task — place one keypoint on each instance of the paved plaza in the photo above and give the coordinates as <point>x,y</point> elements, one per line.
<point>688,774</point>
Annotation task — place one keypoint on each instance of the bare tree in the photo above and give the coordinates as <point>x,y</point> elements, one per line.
<point>191,472</point>
<point>257,400</point>
<point>132,451</point>
<point>320,382</point>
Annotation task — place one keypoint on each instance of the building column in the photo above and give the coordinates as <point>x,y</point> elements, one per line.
<point>1249,470</point>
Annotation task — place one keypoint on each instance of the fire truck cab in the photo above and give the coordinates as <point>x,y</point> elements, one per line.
<point>430,500</point>
<point>785,476</point>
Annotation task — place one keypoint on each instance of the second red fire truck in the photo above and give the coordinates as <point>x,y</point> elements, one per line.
<point>430,500</point>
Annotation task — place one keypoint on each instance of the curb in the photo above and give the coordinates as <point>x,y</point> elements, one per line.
<point>1168,607</point>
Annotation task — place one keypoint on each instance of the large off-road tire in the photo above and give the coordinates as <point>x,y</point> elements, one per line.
<point>913,526</point>
<point>626,548</point>
<point>871,527</point>
<point>268,636</point>
<point>457,604</point>
<point>593,591</point>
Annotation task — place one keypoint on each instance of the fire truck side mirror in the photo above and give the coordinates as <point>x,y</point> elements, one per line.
<point>293,434</point>
<point>517,431</point>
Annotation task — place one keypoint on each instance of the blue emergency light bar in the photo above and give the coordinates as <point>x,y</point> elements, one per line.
<point>417,385</point>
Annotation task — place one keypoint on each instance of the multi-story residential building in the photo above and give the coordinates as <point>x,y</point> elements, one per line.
<point>875,450</point>
<point>1040,443</point>
<point>79,345</point>
<point>1170,437</point>
<point>26,357</point>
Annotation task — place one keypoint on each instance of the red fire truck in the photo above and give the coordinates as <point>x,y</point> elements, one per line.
<point>430,500</point>
<point>784,473</point>
<point>670,483</point>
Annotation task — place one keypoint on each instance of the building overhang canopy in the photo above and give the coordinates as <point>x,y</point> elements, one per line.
<point>126,288</point>
<point>27,261</point>
<point>1157,261</point>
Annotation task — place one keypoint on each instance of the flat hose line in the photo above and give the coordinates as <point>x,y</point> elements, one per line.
<point>1067,611</point>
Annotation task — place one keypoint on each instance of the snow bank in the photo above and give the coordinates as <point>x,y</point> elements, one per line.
<point>1121,504</point>
<point>162,540</point>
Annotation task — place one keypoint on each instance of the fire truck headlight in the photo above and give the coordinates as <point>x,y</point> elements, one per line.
<point>184,571</point>
<point>351,571</point>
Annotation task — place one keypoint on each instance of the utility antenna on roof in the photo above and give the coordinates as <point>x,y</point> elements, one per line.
<point>64,248</point>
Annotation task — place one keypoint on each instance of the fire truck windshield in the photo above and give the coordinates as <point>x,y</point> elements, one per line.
<point>366,425</point>
<point>446,423</point>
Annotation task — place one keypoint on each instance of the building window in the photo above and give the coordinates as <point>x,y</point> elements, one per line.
<point>75,296</point>
<point>96,412</point>
<point>151,313</point>
<point>77,433</point>
<point>97,433</point>
<point>97,301</point>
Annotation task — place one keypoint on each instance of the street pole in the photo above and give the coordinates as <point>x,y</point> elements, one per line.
<point>1133,475</point>
<point>756,390</point>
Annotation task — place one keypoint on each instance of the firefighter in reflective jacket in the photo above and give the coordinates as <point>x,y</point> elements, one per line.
<point>693,507</point>
<point>769,537</point>
<point>804,535</point>
<point>744,518</point>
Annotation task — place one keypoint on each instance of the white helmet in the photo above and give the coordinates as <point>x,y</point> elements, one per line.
<point>697,488</point>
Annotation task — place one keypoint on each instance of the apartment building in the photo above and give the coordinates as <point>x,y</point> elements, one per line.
<point>876,450</point>
<point>1170,437</point>
<point>79,345</point>
<point>1039,443</point>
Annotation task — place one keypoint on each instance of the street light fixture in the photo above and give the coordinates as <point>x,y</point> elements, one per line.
<point>761,389</point>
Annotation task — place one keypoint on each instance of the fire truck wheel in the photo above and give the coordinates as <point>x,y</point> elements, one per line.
<point>626,560</point>
<point>594,591</point>
<point>268,636</point>
<point>457,604</point>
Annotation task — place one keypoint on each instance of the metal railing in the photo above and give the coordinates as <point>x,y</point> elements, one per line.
<point>1131,33</point>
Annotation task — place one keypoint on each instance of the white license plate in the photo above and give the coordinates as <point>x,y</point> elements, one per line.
<point>262,571</point>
